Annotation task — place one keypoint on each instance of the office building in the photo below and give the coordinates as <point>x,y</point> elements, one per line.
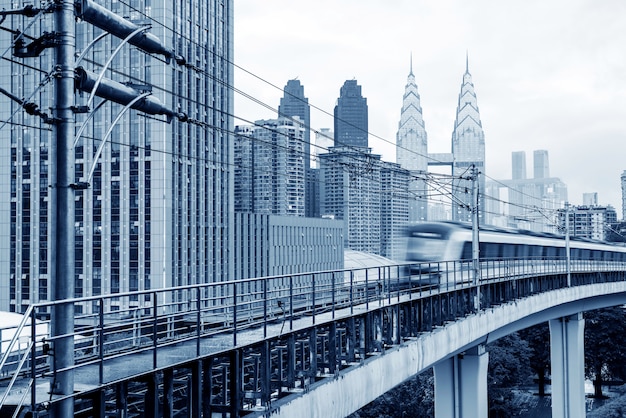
<point>351,117</point>
<point>468,150</point>
<point>158,209</point>
<point>412,149</point>
<point>269,167</point>
<point>295,104</point>
<point>526,203</point>
<point>271,245</point>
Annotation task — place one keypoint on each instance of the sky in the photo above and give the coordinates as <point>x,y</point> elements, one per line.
<point>548,74</point>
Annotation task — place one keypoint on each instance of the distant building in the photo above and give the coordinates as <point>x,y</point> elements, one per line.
<point>468,150</point>
<point>541,165</point>
<point>293,104</point>
<point>351,118</point>
<point>590,199</point>
<point>369,196</point>
<point>518,165</point>
<point>587,221</point>
<point>394,212</point>
<point>526,203</point>
<point>412,150</point>
<point>350,190</point>
<point>269,245</point>
<point>269,167</point>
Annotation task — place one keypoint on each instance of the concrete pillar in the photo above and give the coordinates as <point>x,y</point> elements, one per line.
<point>567,357</point>
<point>461,385</point>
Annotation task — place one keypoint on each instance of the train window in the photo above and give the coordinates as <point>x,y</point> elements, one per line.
<point>575,253</point>
<point>467,251</point>
<point>535,251</point>
<point>523,251</point>
<point>549,252</point>
<point>489,250</point>
<point>508,251</point>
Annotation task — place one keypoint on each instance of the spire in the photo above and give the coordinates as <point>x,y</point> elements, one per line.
<point>466,62</point>
<point>411,67</point>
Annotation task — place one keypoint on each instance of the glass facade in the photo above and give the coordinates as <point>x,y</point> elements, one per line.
<point>158,209</point>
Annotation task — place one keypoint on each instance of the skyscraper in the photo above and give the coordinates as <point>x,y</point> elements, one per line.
<point>158,208</point>
<point>412,149</point>
<point>292,104</point>
<point>518,162</point>
<point>541,164</point>
<point>351,126</point>
<point>269,167</point>
<point>468,150</point>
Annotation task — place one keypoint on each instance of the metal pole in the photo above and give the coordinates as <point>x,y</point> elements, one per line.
<point>475,237</point>
<point>62,207</point>
<point>568,267</point>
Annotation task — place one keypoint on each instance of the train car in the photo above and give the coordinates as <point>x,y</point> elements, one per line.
<point>437,247</point>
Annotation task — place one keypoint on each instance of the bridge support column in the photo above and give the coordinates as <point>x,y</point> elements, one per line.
<point>567,357</point>
<point>461,385</point>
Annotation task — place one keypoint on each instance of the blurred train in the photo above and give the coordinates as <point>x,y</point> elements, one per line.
<point>433,246</point>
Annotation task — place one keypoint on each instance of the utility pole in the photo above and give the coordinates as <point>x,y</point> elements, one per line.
<point>475,235</point>
<point>567,245</point>
<point>62,206</point>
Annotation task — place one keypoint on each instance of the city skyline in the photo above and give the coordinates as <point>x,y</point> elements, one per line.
<point>543,81</point>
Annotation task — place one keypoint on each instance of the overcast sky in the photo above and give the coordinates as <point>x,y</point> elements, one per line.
<point>548,74</point>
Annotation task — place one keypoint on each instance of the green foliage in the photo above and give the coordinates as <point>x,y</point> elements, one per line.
<point>538,339</point>
<point>413,398</point>
<point>605,346</point>
<point>509,367</point>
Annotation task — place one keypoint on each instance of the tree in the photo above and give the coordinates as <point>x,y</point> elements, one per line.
<point>605,352</point>
<point>538,341</point>
<point>508,368</point>
<point>414,398</point>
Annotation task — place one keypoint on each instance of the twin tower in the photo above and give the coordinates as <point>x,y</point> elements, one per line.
<point>466,159</point>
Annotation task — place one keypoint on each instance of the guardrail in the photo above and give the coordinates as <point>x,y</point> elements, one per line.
<point>112,326</point>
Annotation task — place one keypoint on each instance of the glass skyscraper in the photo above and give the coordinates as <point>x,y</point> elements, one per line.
<point>158,209</point>
<point>351,126</point>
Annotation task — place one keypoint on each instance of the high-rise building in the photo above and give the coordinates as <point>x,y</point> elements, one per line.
<point>518,163</point>
<point>590,199</point>
<point>395,200</point>
<point>525,203</point>
<point>350,183</point>
<point>587,222</point>
<point>158,208</point>
<point>294,103</point>
<point>468,150</point>
<point>541,164</point>
<point>269,167</point>
<point>412,149</point>
<point>351,118</point>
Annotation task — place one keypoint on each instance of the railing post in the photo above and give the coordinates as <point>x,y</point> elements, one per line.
<point>155,329</point>
<point>101,340</point>
<point>332,297</point>
<point>234,314</point>
<point>290,303</point>
<point>198,319</point>
<point>313,297</point>
<point>33,359</point>
<point>265,307</point>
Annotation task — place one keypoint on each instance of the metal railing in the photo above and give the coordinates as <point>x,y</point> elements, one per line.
<point>149,322</point>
